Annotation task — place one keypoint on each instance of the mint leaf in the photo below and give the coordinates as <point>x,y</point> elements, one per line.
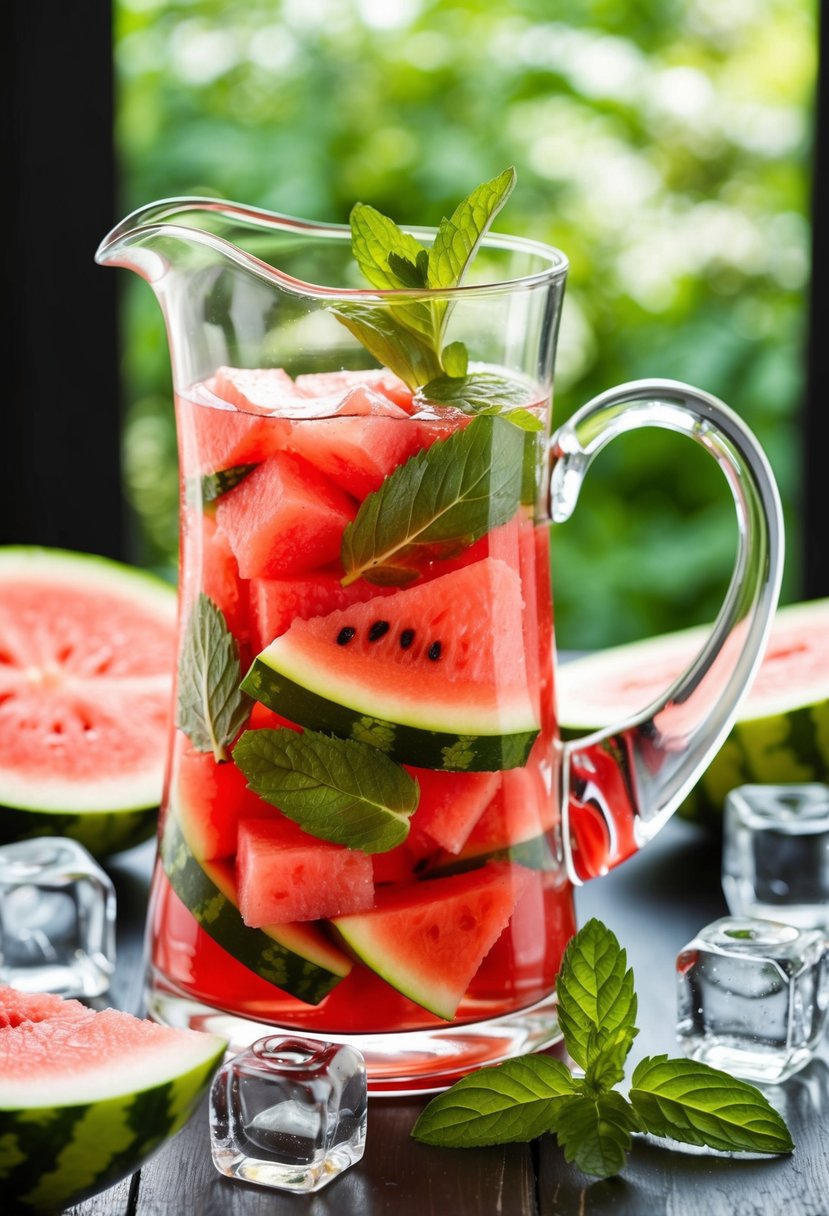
<point>607,1051</point>
<point>336,789</point>
<point>697,1104</point>
<point>409,355</point>
<point>211,709</point>
<point>477,391</point>
<point>440,501</point>
<point>457,239</point>
<point>514,1101</point>
<point>595,990</point>
<point>375,239</point>
<point>595,1132</point>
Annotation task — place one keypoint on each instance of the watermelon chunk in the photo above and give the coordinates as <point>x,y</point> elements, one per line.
<point>435,675</point>
<point>210,799</point>
<point>285,517</point>
<point>380,380</point>
<point>220,578</point>
<point>86,1097</point>
<point>283,874</point>
<point>450,805</point>
<point>428,939</point>
<point>276,603</point>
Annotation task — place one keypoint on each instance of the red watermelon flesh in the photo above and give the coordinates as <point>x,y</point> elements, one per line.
<point>428,939</point>
<point>450,805</point>
<point>285,875</point>
<point>284,517</point>
<point>210,798</point>
<point>356,453</point>
<point>380,380</point>
<point>276,603</point>
<point>521,810</point>
<point>220,578</point>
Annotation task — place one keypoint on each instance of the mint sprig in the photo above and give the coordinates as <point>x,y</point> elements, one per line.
<point>338,790</point>
<point>682,1099</point>
<point>443,499</point>
<point>409,336</point>
<point>211,708</point>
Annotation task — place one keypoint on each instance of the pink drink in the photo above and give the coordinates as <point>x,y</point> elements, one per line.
<point>274,473</point>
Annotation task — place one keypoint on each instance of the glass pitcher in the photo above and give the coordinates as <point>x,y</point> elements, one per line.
<point>371,829</point>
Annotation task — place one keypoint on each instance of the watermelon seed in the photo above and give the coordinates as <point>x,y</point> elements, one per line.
<point>406,638</point>
<point>377,630</point>
<point>434,651</point>
<point>345,635</point>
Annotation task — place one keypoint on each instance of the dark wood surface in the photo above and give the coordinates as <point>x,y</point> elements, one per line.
<point>654,903</point>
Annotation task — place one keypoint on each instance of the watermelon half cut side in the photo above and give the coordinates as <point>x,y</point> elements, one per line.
<point>86,1097</point>
<point>781,734</point>
<point>87,655</point>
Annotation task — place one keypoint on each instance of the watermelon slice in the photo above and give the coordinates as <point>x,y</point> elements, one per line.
<point>88,655</point>
<point>298,958</point>
<point>86,1098</point>
<point>283,874</point>
<point>284,518</point>
<point>435,675</point>
<point>782,730</point>
<point>428,939</point>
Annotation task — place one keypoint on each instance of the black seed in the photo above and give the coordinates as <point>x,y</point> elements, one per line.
<point>377,630</point>
<point>406,638</point>
<point>434,651</point>
<point>345,635</point>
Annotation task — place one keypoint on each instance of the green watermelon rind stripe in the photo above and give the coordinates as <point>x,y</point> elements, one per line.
<point>260,950</point>
<point>49,1159</point>
<point>101,832</point>
<point>440,750</point>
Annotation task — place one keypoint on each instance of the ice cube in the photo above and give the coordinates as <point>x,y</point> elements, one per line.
<point>289,1113</point>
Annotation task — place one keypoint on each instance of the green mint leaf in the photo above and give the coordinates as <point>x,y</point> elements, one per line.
<point>455,359</point>
<point>458,237</point>
<point>478,392</point>
<point>408,354</point>
<point>375,239</point>
<point>514,1101</point>
<point>409,273</point>
<point>336,789</point>
<point>595,1132</point>
<point>595,990</point>
<point>607,1052</point>
<point>214,485</point>
<point>211,708</point>
<point>443,499</point>
<point>696,1104</point>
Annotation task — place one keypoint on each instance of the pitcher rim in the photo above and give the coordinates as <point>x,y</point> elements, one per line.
<point>153,218</point>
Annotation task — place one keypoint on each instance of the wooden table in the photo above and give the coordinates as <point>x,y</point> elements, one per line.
<point>654,904</point>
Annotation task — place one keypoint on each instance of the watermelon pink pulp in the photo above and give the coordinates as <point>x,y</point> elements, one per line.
<point>86,1097</point>
<point>88,650</point>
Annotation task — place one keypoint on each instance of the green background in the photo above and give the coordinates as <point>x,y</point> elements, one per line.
<point>664,146</point>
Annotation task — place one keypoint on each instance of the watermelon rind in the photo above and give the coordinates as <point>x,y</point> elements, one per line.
<point>297,958</point>
<point>781,734</point>
<point>281,678</point>
<point>62,1141</point>
<point>107,814</point>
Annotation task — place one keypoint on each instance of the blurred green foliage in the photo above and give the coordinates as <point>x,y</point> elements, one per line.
<point>665,147</point>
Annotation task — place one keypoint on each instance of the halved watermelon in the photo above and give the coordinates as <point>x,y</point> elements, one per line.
<point>782,730</point>
<point>283,875</point>
<point>284,518</point>
<point>436,675</point>
<point>87,655</point>
<point>428,939</point>
<point>86,1098</point>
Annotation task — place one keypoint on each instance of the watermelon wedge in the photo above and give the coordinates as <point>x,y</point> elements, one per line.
<point>782,730</point>
<point>428,939</point>
<point>435,675</point>
<point>86,1098</point>
<point>88,654</point>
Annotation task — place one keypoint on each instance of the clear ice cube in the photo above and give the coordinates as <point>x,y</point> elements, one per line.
<point>776,853</point>
<point>289,1113</point>
<point>57,918</point>
<point>752,997</point>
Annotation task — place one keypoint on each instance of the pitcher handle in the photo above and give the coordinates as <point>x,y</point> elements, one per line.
<point>620,784</point>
